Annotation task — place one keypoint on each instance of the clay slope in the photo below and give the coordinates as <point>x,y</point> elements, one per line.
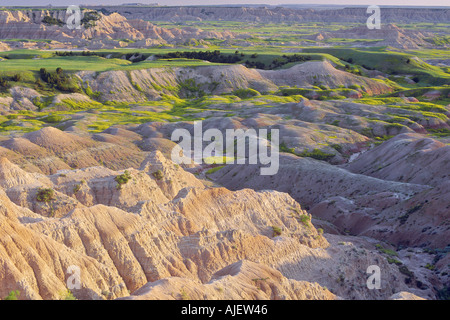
<point>51,149</point>
<point>138,238</point>
<point>311,73</point>
<point>389,35</point>
<point>151,84</point>
<point>355,203</point>
<point>243,280</point>
<point>407,157</point>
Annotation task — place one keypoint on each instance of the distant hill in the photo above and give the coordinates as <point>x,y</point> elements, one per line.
<point>264,13</point>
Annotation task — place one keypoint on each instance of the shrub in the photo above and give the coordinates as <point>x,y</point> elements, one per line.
<point>52,21</point>
<point>13,295</point>
<point>305,219</point>
<point>4,84</point>
<point>430,266</point>
<point>184,295</point>
<point>45,195</point>
<point>67,295</point>
<point>76,188</point>
<point>122,179</point>
<point>276,231</point>
<point>158,174</point>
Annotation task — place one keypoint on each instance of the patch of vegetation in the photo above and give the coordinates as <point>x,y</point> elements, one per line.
<point>317,154</point>
<point>90,19</point>
<point>276,231</point>
<point>4,84</point>
<point>158,174</point>
<point>77,188</point>
<point>122,179</point>
<point>48,20</point>
<point>53,118</point>
<point>386,251</point>
<point>13,295</point>
<point>211,56</point>
<point>67,295</point>
<point>184,295</point>
<point>337,147</point>
<point>191,89</point>
<point>246,93</point>
<point>45,195</point>
<point>58,80</point>
<point>393,63</point>
<point>441,133</point>
<point>393,260</point>
<point>404,270</point>
<point>213,170</point>
<point>430,266</point>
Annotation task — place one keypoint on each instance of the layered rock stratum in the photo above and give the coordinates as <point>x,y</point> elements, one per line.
<point>167,237</point>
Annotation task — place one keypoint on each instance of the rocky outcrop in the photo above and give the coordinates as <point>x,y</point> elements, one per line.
<point>106,32</point>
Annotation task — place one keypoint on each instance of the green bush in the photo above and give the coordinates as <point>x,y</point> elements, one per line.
<point>77,188</point>
<point>158,175</point>
<point>122,179</point>
<point>45,195</point>
<point>276,231</point>
<point>48,20</point>
<point>305,219</point>
<point>13,295</point>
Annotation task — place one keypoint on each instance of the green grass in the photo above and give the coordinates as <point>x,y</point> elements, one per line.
<point>390,62</point>
<point>386,251</point>
<point>213,170</point>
